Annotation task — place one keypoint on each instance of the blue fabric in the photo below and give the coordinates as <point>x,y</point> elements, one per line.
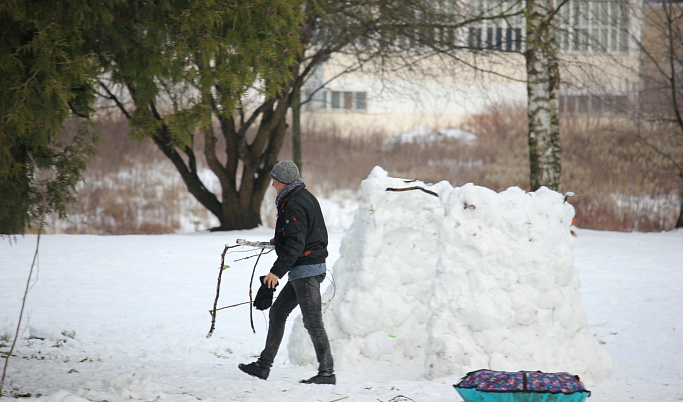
<point>521,386</point>
<point>305,271</point>
<point>497,381</point>
<point>473,395</point>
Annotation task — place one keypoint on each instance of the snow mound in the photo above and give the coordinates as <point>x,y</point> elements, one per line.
<point>423,136</point>
<point>442,283</point>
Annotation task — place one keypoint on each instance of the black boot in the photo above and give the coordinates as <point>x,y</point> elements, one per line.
<point>254,370</point>
<point>321,379</point>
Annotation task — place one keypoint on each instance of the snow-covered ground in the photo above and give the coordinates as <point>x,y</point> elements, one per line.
<point>121,318</point>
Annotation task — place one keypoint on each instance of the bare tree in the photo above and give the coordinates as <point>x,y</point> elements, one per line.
<point>659,119</point>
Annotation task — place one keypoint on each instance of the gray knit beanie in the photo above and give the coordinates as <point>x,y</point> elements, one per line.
<point>285,172</point>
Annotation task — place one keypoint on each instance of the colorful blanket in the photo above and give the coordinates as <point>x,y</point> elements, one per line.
<point>521,386</point>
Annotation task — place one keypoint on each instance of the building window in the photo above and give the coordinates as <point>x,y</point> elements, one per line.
<point>497,33</point>
<point>513,39</point>
<point>335,101</point>
<point>445,37</point>
<point>593,104</point>
<point>348,100</point>
<point>584,26</point>
<point>474,38</point>
<point>593,27</point>
<point>361,100</point>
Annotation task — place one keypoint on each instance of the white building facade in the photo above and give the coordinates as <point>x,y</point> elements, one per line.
<point>599,55</point>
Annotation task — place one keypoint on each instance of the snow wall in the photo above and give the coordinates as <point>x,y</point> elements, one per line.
<point>431,286</point>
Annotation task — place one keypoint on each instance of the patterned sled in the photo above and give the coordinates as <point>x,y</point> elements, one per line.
<point>521,386</point>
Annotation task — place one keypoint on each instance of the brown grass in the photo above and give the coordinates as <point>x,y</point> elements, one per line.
<point>620,186</point>
<point>131,188</point>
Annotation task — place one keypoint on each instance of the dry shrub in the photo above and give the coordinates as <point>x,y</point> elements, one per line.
<point>130,187</point>
<point>333,161</point>
<point>620,186</point>
<point>502,147</point>
<point>498,160</point>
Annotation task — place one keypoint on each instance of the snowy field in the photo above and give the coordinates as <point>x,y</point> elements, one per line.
<point>125,318</point>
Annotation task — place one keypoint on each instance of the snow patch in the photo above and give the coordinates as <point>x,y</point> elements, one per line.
<point>424,136</point>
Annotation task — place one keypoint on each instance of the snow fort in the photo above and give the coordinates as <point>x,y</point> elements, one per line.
<point>436,281</point>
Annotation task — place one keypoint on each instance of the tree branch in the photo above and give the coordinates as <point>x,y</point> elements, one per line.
<point>413,188</point>
<point>23,304</point>
<point>114,98</point>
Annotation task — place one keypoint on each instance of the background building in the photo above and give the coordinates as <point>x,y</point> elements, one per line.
<point>599,60</point>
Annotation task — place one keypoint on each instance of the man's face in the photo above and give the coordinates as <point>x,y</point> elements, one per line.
<point>278,186</point>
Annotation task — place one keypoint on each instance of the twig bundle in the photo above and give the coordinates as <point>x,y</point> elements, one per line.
<point>263,246</point>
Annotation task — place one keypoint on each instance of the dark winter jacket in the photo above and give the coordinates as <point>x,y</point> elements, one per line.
<point>300,232</point>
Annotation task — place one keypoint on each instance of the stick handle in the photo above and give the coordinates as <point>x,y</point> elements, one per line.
<point>257,244</point>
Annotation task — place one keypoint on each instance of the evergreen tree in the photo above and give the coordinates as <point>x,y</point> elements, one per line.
<point>44,78</point>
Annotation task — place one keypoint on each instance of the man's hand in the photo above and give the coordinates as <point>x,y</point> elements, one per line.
<point>270,280</point>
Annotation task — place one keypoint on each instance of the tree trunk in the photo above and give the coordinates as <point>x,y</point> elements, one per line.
<point>679,223</point>
<point>296,130</point>
<point>235,218</point>
<point>543,80</point>
<point>239,208</point>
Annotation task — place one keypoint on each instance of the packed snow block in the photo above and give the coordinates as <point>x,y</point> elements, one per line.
<point>453,280</point>
<point>506,293</point>
<point>522,386</point>
<point>384,278</point>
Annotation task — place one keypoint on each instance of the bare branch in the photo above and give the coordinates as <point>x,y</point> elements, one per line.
<point>413,188</point>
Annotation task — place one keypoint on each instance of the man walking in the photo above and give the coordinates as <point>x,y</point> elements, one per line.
<point>301,246</point>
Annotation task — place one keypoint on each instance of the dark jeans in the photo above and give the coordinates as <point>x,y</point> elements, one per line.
<point>304,292</point>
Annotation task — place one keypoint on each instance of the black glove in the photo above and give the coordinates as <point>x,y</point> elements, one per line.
<point>264,296</point>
